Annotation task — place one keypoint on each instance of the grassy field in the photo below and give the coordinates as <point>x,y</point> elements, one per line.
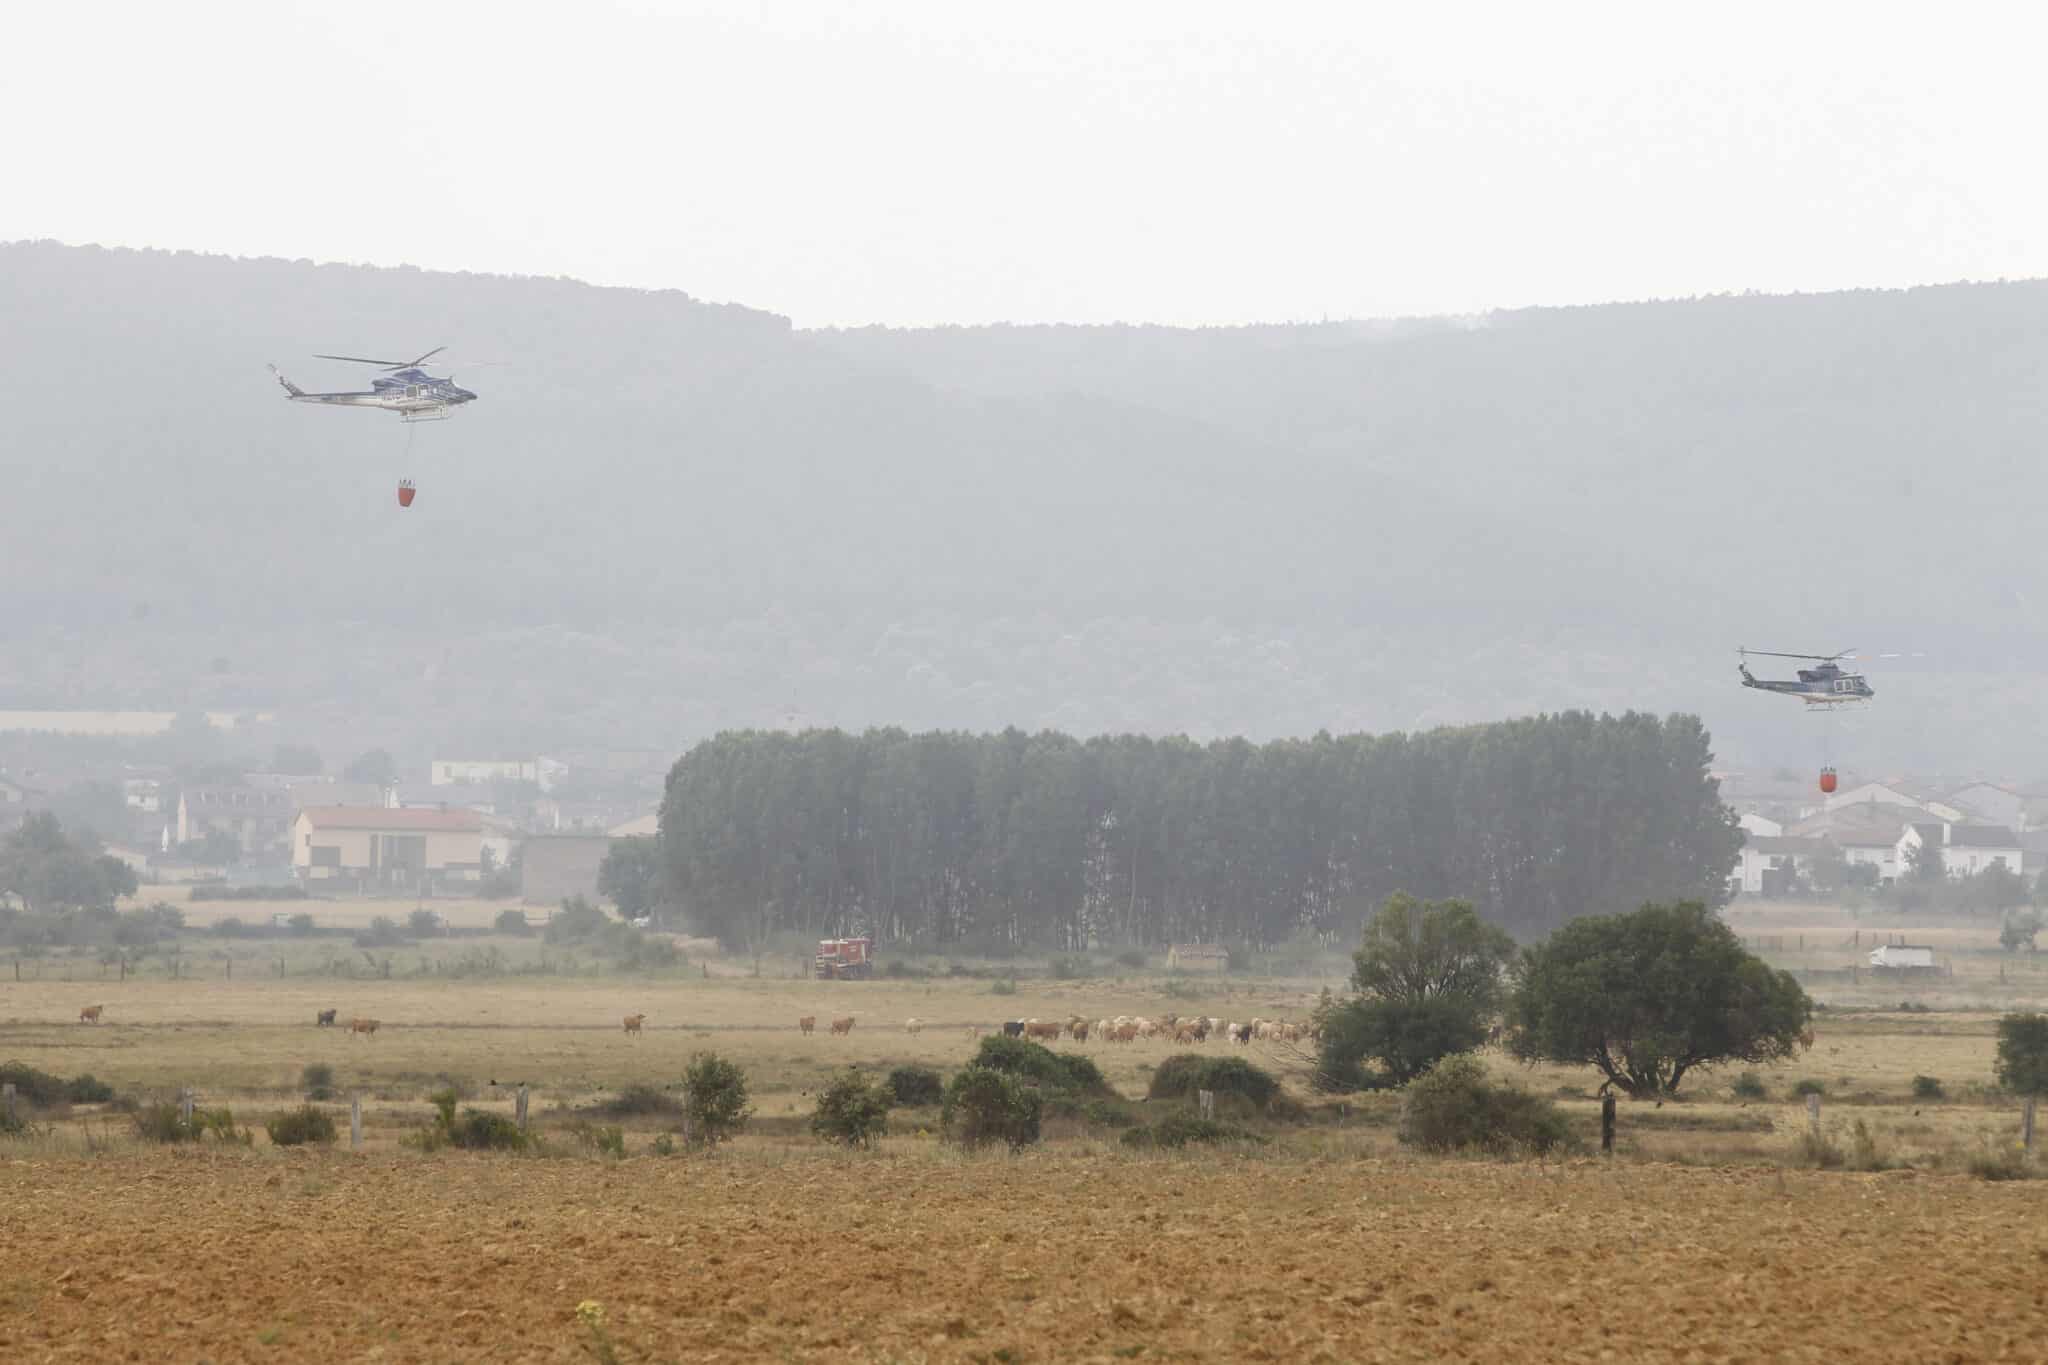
<point>1330,1241</point>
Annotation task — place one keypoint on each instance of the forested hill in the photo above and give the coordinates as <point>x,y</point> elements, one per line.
<point>665,518</point>
<point>1006,841</point>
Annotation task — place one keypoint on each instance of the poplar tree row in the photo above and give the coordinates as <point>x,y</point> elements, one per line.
<point>1010,841</point>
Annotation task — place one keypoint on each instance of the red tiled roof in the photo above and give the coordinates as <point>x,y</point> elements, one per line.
<point>401,821</point>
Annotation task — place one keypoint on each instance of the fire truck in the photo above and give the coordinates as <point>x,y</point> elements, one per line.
<point>846,959</point>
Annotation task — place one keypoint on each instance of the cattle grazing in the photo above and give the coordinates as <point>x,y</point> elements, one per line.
<point>634,1021</point>
<point>325,1018</point>
<point>1013,1028</point>
<point>1126,1033</point>
<point>843,1025</point>
<point>913,1026</point>
<point>1042,1028</point>
<point>1079,1028</point>
<point>1242,1032</point>
<point>90,1014</point>
<point>806,1024</point>
<point>362,1026</point>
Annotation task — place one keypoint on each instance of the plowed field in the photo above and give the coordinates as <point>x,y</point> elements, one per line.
<point>800,1253</point>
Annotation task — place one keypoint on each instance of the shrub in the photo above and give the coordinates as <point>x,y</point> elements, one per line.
<point>164,1123</point>
<point>13,1124</point>
<point>1134,958</point>
<point>87,1089</point>
<point>423,922</point>
<point>640,1100</point>
<point>512,922</point>
<point>474,1131</point>
<point>1750,1086</point>
<point>39,1088</point>
<point>295,1127</point>
<point>317,1080</point>
<point>608,1140</point>
<point>1178,1130</point>
<point>1817,1151</point>
<point>301,925</point>
<point>1928,1088</point>
<point>1002,986</point>
<point>853,1111</point>
<point>984,1106</point>
<point>663,1145</point>
<point>1809,1086</point>
<point>1998,1164</point>
<point>1179,1077</point>
<point>1068,968</point>
<point>915,1086</point>
<point>715,1098</point>
<point>1035,1062</point>
<point>1456,1107</point>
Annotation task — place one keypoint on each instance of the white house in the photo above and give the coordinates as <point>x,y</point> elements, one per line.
<point>1993,804</point>
<point>1753,823</point>
<point>1873,794</point>
<point>1906,956</point>
<point>1966,850</point>
<point>1770,864</point>
<point>541,772</point>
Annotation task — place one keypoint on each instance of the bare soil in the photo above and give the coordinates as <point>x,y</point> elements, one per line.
<point>1082,1255</point>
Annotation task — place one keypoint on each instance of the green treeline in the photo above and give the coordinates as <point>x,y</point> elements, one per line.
<point>1012,840</point>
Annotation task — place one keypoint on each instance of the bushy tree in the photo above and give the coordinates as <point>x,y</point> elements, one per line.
<point>985,1106</point>
<point>1650,995</point>
<point>2023,1053</point>
<point>630,876</point>
<point>853,1111</point>
<point>1428,976</point>
<point>715,1098</point>
<point>44,869</point>
<point>2018,929</point>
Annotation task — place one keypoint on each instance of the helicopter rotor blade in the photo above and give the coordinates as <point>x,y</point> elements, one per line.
<point>364,360</point>
<point>1776,654</point>
<point>423,359</point>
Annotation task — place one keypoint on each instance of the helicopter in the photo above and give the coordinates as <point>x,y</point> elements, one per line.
<point>1824,685</point>
<point>403,388</point>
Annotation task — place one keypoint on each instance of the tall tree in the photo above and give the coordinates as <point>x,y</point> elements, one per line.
<point>1428,976</point>
<point>1648,996</point>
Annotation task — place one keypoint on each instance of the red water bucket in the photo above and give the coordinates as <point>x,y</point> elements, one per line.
<point>405,492</point>
<point>1827,781</point>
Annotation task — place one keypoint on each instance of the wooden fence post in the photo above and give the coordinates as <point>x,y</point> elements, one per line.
<point>185,1105</point>
<point>519,1107</point>
<point>1607,1124</point>
<point>1813,1114</point>
<point>1208,1102</point>
<point>2027,1125</point>
<point>355,1122</point>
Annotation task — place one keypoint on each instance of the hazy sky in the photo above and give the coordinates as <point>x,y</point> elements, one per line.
<point>932,161</point>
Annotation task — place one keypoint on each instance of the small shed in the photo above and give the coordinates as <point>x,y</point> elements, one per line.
<point>1907,957</point>
<point>1197,957</point>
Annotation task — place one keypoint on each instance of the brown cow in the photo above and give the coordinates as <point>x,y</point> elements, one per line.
<point>90,1014</point>
<point>807,1023</point>
<point>362,1025</point>
<point>843,1025</point>
<point>1042,1028</point>
<point>634,1021</point>
<point>1079,1028</point>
